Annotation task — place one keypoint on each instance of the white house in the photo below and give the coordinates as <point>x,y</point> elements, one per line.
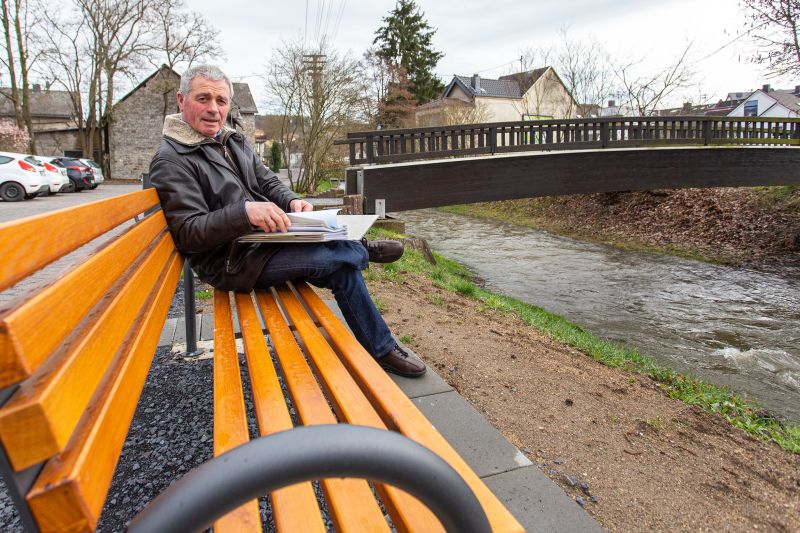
<point>532,95</point>
<point>768,102</point>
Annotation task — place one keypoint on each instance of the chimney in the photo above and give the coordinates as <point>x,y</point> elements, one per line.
<point>766,88</point>
<point>36,88</point>
<point>476,82</point>
<point>797,90</point>
<point>612,103</point>
<point>687,106</point>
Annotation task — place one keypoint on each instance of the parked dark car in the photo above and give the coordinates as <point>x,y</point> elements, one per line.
<point>79,173</point>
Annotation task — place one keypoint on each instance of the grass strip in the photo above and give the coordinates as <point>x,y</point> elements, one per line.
<point>738,411</point>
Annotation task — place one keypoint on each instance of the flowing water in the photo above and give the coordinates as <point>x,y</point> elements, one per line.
<point>729,326</point>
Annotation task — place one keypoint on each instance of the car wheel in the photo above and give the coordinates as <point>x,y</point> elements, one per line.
<point>12,192</point>
<point>72,187</point>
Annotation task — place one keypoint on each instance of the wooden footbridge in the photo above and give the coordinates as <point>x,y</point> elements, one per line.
<point>445,165</point>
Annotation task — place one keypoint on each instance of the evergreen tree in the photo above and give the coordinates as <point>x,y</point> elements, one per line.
<point>275,156</point>
<point>405,41</point>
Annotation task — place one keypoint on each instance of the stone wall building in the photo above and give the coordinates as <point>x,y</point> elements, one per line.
<point>244,111</point>
<point>134,130</point>
<point>55,126</point>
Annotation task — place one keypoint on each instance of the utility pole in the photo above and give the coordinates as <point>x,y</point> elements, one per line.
<point>315,63</point>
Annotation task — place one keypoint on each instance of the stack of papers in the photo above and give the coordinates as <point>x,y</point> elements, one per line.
<point>310,226</point>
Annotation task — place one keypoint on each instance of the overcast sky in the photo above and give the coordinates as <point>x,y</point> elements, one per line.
<point>486,36</point>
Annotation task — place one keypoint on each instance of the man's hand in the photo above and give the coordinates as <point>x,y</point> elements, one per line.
<point>267,216</point>
<point>298,206</point>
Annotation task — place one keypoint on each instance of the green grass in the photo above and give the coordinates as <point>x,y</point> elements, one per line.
<point>739,412</point>
<point>435,299</point>
<point>204,295</point>
<point>380,305</point>
<point>406,339</point>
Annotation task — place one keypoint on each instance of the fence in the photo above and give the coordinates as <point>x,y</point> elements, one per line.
<point>391,146</point>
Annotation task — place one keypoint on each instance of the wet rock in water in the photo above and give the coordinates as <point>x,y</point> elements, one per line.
<point>580,501</point>
<point>585,487</point>
<point>571,481</point>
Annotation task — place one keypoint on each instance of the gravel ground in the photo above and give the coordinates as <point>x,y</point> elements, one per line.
<point>171,433</point>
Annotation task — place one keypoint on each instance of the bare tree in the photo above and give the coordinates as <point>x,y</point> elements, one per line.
<point>374,85</point>
<point>774,25</point>
<point>646,92</point>
<point>319,94</point>
<point>179,39</point>
<point>109,39</point>
<point>18,29</point>
<point>65,62</point>
<point>584,67</point>
<point>387,99</point>
<point>466,113</point>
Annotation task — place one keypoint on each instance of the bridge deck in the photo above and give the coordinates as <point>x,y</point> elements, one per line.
<point>433,183</point>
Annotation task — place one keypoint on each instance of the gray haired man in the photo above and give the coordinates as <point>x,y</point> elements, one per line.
<point>214,189</point>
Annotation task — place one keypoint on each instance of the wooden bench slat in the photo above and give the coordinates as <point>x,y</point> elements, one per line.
<point>353,406</point>
<point>24,251</point>
<point>398,410</point>
<point>295,507</point>
<point>59,308</point>
<point>350,501</point>
<point>230,417</point>
<point>310,403</point>
<point>38,420</point>
<point>70,492</point>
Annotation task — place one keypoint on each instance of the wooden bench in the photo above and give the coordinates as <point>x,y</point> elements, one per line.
<point>74,356</point>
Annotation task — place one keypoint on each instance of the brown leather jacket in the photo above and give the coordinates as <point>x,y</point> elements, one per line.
<point>203,199</point>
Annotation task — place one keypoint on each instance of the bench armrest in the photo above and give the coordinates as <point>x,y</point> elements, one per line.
<point>306,453</point>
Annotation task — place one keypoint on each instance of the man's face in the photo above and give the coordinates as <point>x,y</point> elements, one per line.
<point>206,106</point>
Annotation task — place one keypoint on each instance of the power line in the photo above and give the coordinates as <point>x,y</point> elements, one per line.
<point>721,48</point>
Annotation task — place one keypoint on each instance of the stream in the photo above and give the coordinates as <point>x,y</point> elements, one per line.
<point>728,326</point>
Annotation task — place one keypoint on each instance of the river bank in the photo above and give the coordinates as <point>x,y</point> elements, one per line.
<point>750,227</point>
<point>611,437</point>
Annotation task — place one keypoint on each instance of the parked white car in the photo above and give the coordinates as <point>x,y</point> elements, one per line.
<point>56,177</point>
<point>20,179</point>
<point>98,171</point>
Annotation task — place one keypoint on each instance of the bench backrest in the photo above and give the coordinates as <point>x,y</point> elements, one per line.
<point>74,354</point>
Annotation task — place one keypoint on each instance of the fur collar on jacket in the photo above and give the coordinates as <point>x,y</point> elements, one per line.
<point>178,130</point>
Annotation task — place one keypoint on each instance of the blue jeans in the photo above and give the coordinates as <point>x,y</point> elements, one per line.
<point>337,266</point>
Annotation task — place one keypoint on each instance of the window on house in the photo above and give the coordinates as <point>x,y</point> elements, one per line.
<point>751,108</point>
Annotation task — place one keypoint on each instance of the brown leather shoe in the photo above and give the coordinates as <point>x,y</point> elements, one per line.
<point>399,362</point>
<point>383,251</point>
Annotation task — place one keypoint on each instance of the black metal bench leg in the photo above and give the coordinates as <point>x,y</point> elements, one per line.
<point>189,309</point>
<point>18,483</point>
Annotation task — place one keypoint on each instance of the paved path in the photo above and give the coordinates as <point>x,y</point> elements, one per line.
<point>13,210</point>
<point>42,204</point>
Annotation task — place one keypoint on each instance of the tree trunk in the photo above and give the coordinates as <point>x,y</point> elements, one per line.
<point>26,90</point>
<point>12,66</point>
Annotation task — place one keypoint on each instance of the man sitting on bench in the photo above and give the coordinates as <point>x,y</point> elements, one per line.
<point>214,188</point>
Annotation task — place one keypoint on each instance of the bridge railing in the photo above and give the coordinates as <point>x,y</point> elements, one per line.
<point>391,146</point>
